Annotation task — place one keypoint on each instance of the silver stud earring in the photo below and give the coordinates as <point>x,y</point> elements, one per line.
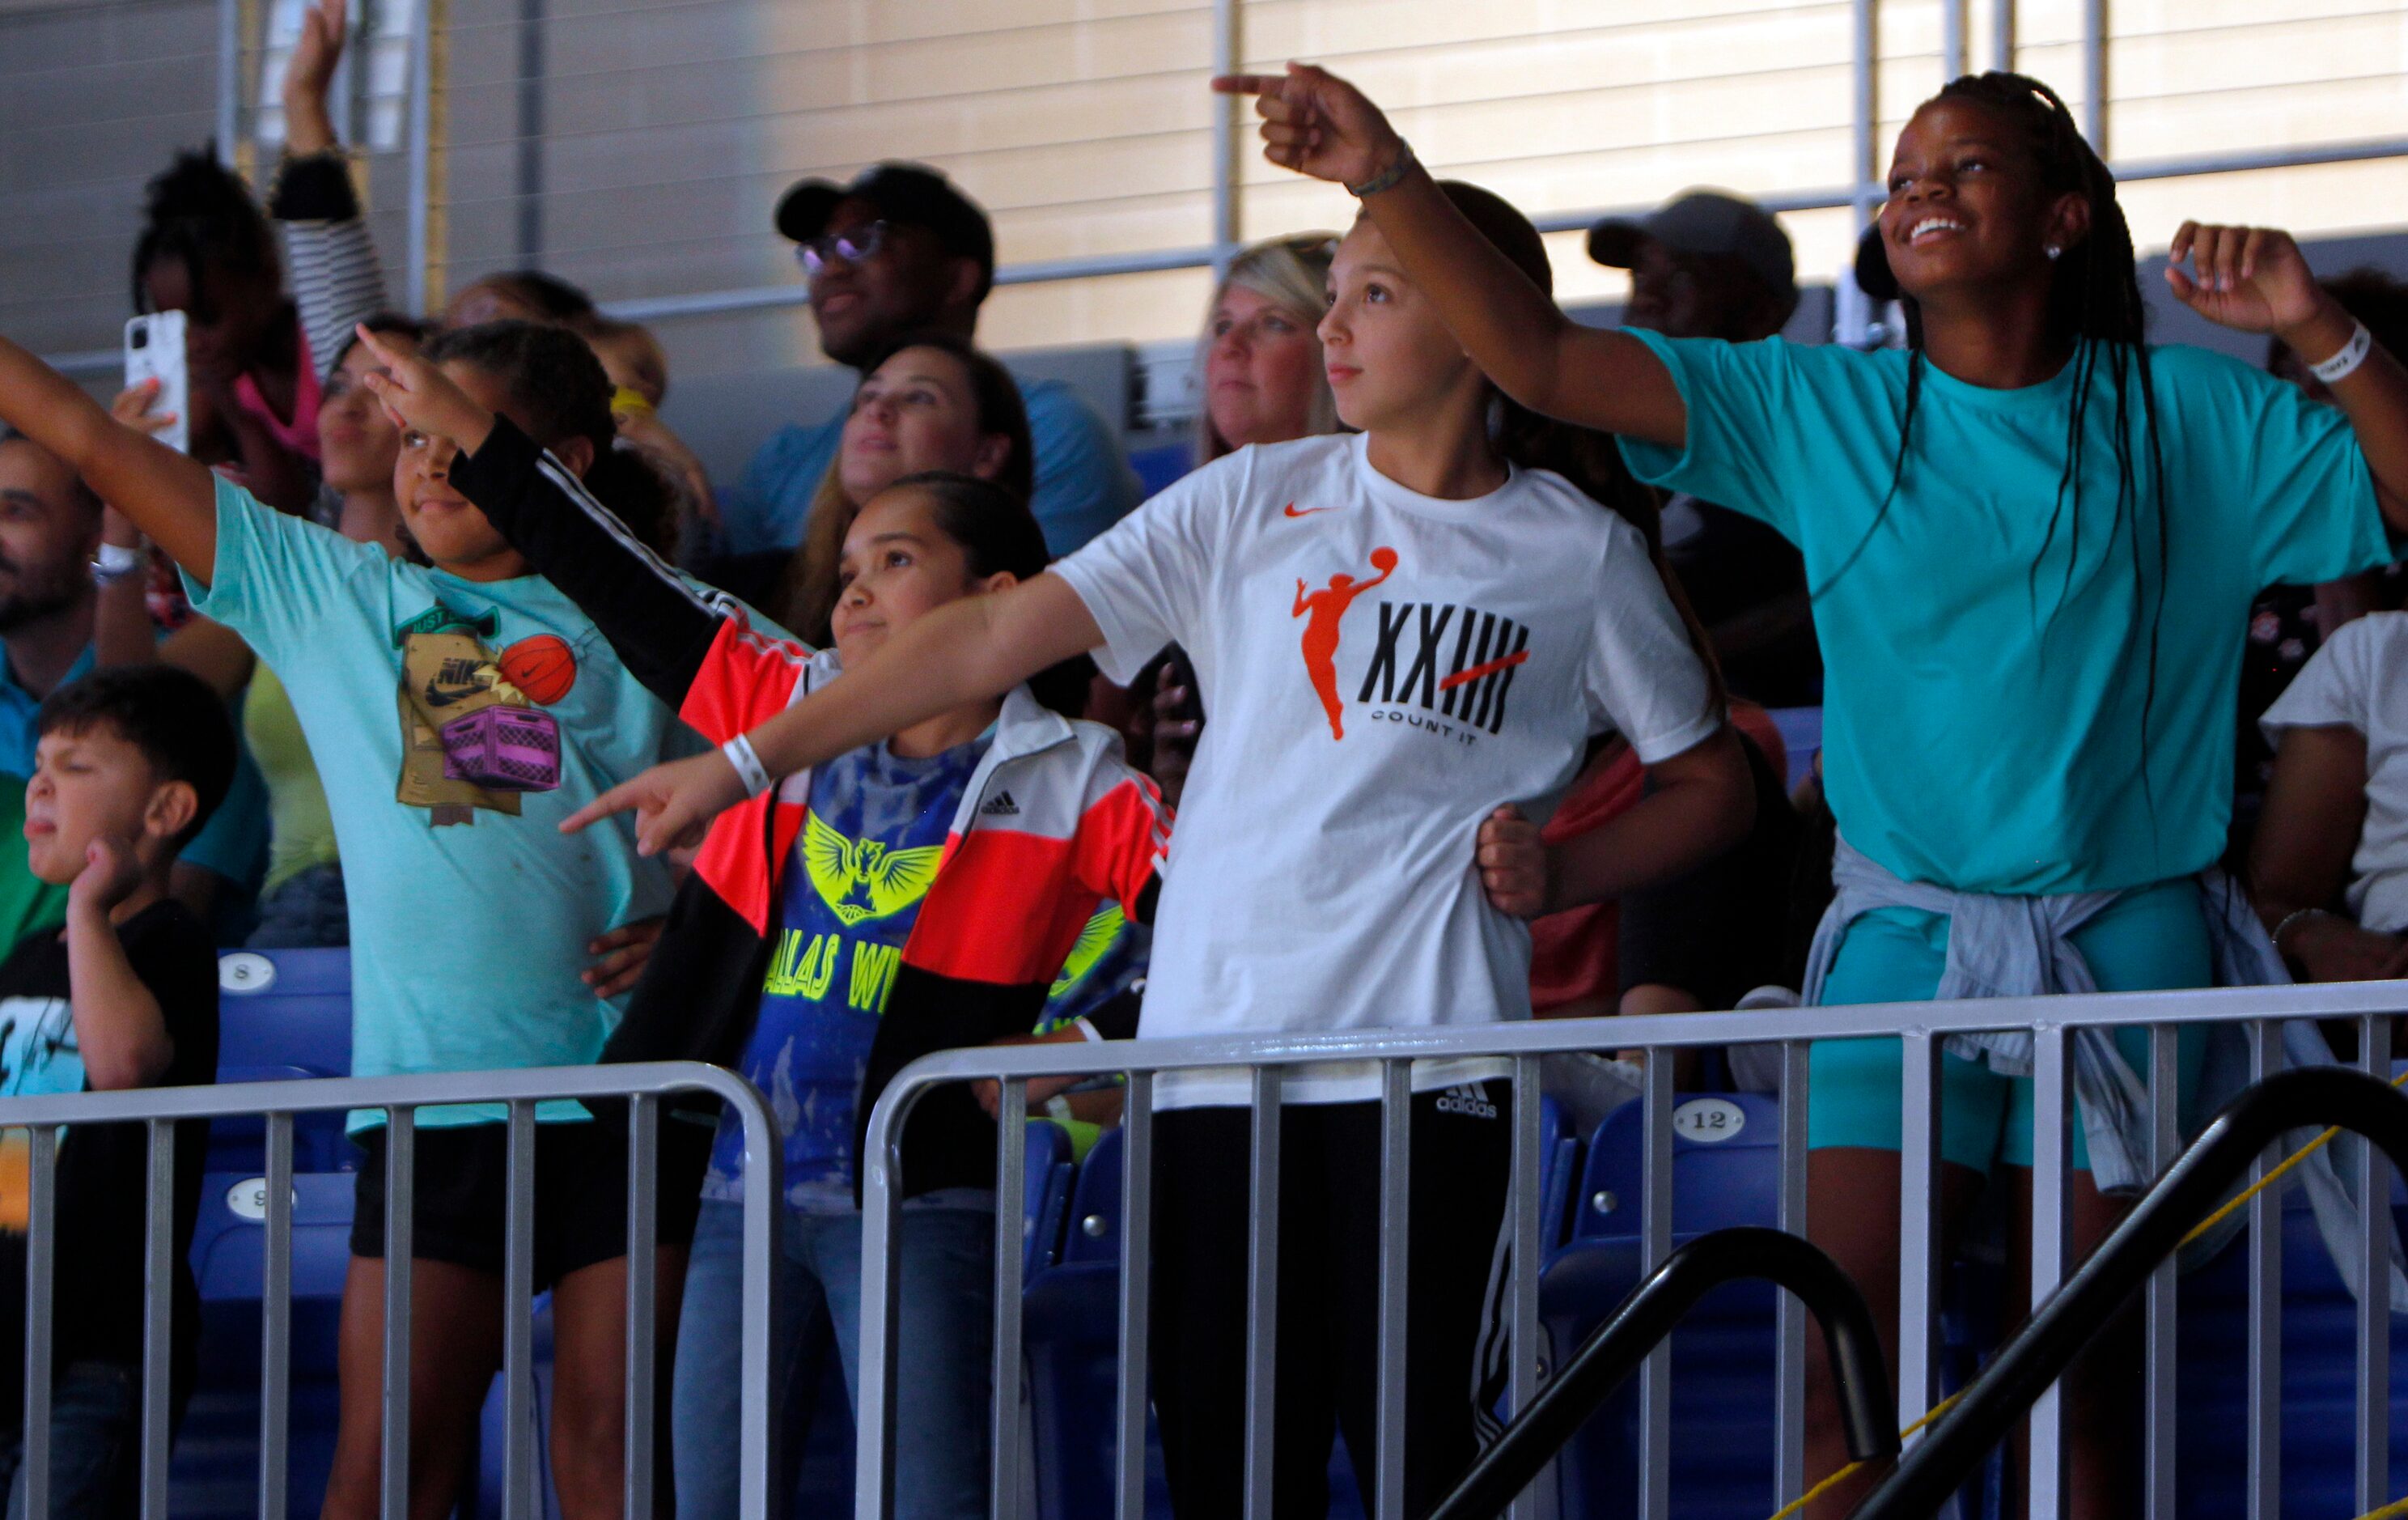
<point>2052,250</point>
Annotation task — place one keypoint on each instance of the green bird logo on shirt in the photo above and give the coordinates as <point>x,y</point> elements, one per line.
<point>862,879</point>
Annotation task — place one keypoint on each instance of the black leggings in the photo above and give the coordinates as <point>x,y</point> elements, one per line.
<point>1328,1339</point>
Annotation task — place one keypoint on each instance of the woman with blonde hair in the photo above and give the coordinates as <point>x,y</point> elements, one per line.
<point>1257,358</point>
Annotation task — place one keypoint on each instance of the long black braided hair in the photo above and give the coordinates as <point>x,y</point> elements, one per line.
<point>2095,306</point>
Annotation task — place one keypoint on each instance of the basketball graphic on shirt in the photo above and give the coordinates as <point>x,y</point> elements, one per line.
<point>541,667</point>
<point>1322,611</point>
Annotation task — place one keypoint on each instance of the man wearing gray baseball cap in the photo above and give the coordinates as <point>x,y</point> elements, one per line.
<point>1711,264</point>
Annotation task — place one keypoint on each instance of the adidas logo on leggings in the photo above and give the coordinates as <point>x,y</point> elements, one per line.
<point>1471,1102</point>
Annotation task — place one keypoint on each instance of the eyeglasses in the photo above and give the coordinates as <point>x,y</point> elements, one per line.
<point>852,247</point>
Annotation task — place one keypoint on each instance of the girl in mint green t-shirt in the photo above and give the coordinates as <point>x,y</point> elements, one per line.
<point>2033,540</point>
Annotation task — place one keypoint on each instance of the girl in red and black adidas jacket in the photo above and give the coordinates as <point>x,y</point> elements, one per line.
<point>1054,822</point>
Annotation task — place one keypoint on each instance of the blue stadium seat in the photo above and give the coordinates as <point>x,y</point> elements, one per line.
<point>1801,734</point>
<point>1716,1182</point>
<point>216,1463</point>
<point>1723,1381</point>
<point>2319,1400</point>
<point>1157,466</point>
<point>283,1016</point>
<point>1047,1193</point>
<point>1558,1174</point>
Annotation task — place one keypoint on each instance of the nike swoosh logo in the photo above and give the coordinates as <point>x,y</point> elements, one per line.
<point>1465,678</point>
<point>1291,511</point>
<point>443,697</point>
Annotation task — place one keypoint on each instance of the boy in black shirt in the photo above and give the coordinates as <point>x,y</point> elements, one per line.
<point>130,765</point>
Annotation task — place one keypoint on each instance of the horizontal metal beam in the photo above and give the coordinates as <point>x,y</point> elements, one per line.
<point>1547,1037</point>
<point>429,1090</point>
<point>97,362</point>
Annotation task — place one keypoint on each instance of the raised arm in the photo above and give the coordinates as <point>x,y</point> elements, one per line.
<point>336,277</point>
<point>964,652</point>
<point>2254,280</point>
<point>166,495</point>
<point>1318,124</point>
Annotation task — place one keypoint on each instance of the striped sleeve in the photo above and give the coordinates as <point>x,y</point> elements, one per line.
<point>1123,835</point>
<point>663,627</point>
<point>337,279</point>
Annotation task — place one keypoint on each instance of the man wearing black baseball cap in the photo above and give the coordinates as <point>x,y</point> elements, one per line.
<point>901,250</point>
<point>1711,264</point>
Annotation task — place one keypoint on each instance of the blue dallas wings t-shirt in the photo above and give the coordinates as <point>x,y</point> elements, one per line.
<point>869,849</point>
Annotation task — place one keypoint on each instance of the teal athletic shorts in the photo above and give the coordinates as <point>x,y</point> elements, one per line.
<point>2153,939</point>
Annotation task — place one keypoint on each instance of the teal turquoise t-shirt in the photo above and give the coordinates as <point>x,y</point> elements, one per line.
<point>1988,652</point>
<point>455,724</point>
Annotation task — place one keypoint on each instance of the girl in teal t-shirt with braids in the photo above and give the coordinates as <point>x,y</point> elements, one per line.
<point>2033,540</point>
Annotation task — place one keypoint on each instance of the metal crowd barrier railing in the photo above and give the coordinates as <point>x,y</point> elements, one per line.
<point>1923,1028</point>
<point>641,1086</point>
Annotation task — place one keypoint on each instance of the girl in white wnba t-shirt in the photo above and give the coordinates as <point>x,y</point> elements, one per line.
<point>1397,634</point>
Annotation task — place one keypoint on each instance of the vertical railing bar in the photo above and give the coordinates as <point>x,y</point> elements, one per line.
<point>2094,73</point>
<point>1011,1245</point>
<point>158,1315</point>
<point>2374,1288</point>
<point>229,93</point>
<point>1864,97</point>
<point>881,1283</point>
<point>400,1175</point>
<point>518,1319</point>
<point>2050,1161</point>
<point>417,266</point>
<point>764,1203</point>
<point>1262,1293</point>
<point>2264,1313</point>
<point>643,1267</point>
<point>1224,136</point>
<point>1789,1419</point>
<point>41,1262</point>
<point>1136,1295</point>
<point>1655,1244</point>
<point>2158,1473</point>
<point>1528,1259</point>
<point>1396,1226</point>
<point>2002,35</point>
<point>1952,39</point>
<point>276,1323</point>
<point>1918,1221</point>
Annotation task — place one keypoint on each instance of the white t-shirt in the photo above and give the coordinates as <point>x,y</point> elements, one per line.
<point>2359,679</point>
<point>1380,670</point>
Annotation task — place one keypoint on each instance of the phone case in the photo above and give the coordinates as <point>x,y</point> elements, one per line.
<point>154,349</point>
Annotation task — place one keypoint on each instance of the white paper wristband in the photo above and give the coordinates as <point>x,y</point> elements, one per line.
<point>2353,353</point>
<point>749,769</point>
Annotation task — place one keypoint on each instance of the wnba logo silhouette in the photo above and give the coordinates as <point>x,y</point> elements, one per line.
<point>1322,611</point>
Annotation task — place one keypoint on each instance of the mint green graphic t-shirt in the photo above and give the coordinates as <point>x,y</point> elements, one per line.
<point>455,724</point>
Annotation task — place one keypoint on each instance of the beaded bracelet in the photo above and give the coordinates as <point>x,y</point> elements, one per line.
<point>1389,177</point>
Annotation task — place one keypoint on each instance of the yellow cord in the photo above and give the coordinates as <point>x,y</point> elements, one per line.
<point>2390,1511</point>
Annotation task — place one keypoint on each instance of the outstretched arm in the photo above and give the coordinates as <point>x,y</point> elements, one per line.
<point>169,496</point>
<point>2254,280</point>
<point>1318,124</point>
<point>964,652</point>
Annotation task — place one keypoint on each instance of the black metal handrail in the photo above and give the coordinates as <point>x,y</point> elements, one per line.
<point>2037,1355</point>
<point>1615,1348</point>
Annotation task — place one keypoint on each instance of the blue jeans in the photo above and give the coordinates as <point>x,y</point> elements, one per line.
<point>943,1363</point>
<point>96,1425</point>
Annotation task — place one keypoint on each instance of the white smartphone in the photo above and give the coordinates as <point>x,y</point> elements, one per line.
<point>154,349</point>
